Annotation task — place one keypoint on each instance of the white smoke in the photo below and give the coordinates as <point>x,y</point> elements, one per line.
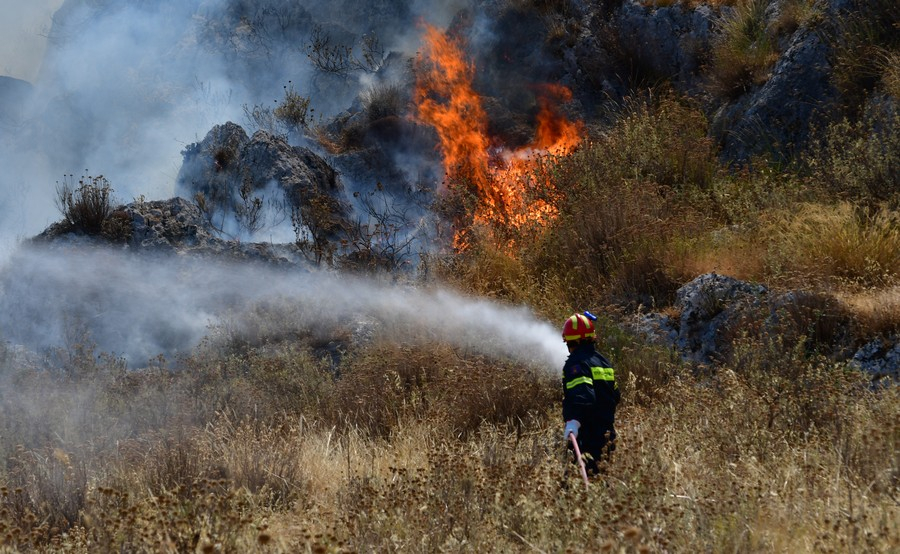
<point>127,85</point>
<point>139,307</point>
<point>23,29</point>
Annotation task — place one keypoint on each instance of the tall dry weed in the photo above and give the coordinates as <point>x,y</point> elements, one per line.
<point>743,52</point>
<point>837,244</point>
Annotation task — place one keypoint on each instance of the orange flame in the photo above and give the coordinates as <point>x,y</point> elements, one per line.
<point>446,101</point>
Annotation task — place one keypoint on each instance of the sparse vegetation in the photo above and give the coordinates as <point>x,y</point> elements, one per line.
<point>862,42</point>
<point>384,100</point>
<point>329,57</point>
<point>290,116</point>
<point>294,110</point>
<point>859,159</point>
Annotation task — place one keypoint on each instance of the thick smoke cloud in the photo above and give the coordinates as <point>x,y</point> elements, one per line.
<point>139,308</point>
<point>125,87</point>
<point>22,30</point>
<point>127,84</point>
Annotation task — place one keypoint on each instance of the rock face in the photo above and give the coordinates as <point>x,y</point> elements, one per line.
<point>670,41</point>
<point>237,178</point>
<point>776,117</point>
<point>715,309</point>
<point>880,359</point>
<point>173,226</point>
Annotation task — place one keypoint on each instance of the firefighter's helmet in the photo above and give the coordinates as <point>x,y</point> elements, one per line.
<point>578,327</point>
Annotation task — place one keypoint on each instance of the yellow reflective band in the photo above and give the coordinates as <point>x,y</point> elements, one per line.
<point>579,381</point>
<point>574,320</point>
<point>603,373</point>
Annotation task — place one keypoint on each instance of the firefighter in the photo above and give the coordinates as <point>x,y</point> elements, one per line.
<point>590,391</point>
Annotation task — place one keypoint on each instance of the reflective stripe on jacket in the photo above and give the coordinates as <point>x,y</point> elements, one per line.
<point>590,391</point>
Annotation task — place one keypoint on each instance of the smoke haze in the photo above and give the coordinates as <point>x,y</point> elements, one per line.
<point>124,87</point>
<point>23,30</point>
<point>139,307</point>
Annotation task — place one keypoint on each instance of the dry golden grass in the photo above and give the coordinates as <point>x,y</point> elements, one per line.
<point>787,453</point>
<point>890,76</point>
<point>877,311</point>
<point>743,53</point>
<point>841,244</point>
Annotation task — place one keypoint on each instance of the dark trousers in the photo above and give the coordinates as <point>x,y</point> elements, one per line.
<point>596,442</point>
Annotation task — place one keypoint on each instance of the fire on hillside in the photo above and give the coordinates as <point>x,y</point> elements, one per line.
<point>497,175</point>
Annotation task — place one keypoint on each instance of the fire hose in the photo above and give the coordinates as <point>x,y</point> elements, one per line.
<point>580,461</point>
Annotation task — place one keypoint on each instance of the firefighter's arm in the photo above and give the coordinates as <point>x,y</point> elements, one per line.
<point>578,391</point>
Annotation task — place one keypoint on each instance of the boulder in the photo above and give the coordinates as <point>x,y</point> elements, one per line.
<point>880,359</point>
<point>712,309</point>
<point>230,175</point>
<point>708,305</point>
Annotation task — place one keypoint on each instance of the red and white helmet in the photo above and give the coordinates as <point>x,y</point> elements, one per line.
<point>578,327</point>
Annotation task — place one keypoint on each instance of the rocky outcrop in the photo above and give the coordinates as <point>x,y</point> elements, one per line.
<point>237,177</point>
<point>713,310</point>
<point>668,42</point>
<point>880,359</point>
<point>173,226</point>
<point>708,307</point>
<point>776,117</point>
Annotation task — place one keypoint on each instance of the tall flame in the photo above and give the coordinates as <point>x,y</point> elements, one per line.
<point>447,101</point>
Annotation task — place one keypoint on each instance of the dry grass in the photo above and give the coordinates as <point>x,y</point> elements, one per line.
<point>423,448</point>
<point>877,311</point>
<point>890,72</point>
<point>793,15</point>
<point>860,43</point>
<point>743,52</point>
<point>841,245</point>
<point>860,159</point>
